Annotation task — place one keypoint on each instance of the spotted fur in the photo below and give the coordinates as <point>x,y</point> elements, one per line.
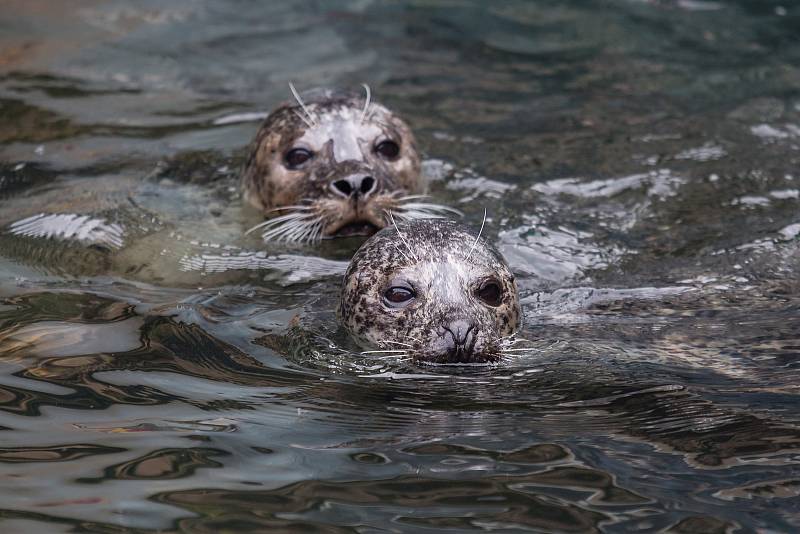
<point>434,257</point>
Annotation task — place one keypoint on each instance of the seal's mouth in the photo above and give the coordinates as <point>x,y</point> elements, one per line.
<point>356,228</point>
<point>359,222</point>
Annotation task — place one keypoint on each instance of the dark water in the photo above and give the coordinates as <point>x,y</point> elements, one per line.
<point>638,160</point>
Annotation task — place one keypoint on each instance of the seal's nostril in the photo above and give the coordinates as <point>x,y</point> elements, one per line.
<point>343,187</point>
<point>367,184</point>
<point>354,186</point>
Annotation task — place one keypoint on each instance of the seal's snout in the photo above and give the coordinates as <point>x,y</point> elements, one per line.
<point>457,343</point>
<point>461,334</point>
<point>354,186</point>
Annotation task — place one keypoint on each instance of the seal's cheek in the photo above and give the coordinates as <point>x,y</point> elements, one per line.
<point>285,186</point>
<point>508,322</point>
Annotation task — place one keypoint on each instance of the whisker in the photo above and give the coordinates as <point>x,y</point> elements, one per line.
<point>312,227</point>
<point>277,220</point>
<point>402,253</point>
<point>479,234</point>
<point>305,236</point>
<point>310,120</point>
<point>281,231</point>
<point>429,206</point>
<point>295,207</point>
<point>402,237</point>
<point>317,231</point>
<point>384,351</point>
<point>366,105</point>
<point>400,250</point>
<point>295,230</point>
<point>394,358</point>
<point>395,342</point>
<point>302,118</point>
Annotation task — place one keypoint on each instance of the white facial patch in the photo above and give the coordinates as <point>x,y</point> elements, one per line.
<point>343,126</point>
<point>448,278</point>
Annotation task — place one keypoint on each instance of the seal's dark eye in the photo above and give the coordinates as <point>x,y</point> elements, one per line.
<point>491,293</point>
<point>397,296</point>
<point>387,149</point>
<point>297,156</point>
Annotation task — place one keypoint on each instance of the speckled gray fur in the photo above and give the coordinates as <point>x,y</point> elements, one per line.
<point>437,259</point>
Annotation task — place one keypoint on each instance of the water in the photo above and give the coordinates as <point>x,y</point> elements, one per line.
<point>638,161</point>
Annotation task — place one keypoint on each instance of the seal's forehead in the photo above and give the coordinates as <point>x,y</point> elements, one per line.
<point>345,127</point>
<point>450,270</point>
<point>448,240</point>
<point>430,241</point>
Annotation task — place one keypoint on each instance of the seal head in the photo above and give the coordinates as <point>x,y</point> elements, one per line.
<point>431,289</point>
<point>331,163</point>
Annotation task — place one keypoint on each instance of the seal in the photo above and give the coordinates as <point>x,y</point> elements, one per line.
<point>433,290</point>
<point>332,164</point>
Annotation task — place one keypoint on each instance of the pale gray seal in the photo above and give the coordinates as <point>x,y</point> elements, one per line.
<point>333,163</point>
<point>433,290</point>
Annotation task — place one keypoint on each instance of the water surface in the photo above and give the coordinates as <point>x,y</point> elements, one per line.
<point>161,371</point>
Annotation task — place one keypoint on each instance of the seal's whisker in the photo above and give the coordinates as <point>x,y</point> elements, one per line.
<point>402,237</point>
<point>512,341</point>
<point>298,207</point>
<point>366,105</point>
<point>383,351</point>
<point>314,229</point>
<point>310,235</point>
<point>395,342</point>
<point>302,118</point>
<point>426,206</point>
<point>316,233</point>
<point>310,121</point>
<point>277,220</point>
<point>285,224</point>
<point>411,197</point>
<point>398,249</point>
<point>394,357</point>
<point>416,214</point>
<point>403,218</point>
<point>479,234</point>
<point>402,253</point>
<point>291,229</point>
<point>298,231</point>
<point>412,214</point>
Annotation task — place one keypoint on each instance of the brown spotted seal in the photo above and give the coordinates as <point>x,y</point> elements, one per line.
<point>433,290</point>
<point>334,163</point>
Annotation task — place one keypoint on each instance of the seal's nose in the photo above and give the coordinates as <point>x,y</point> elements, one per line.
<point>459,340</point>
<point>354,185</point>
<point>462,333</point>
